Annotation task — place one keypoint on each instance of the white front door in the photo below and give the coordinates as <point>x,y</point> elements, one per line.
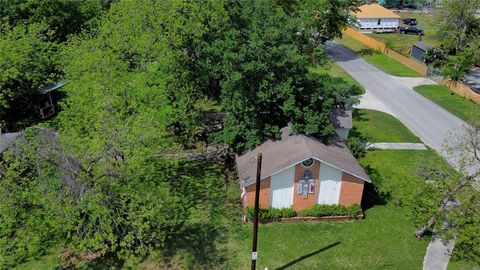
<point>330,182</point>
<point>282,188</point>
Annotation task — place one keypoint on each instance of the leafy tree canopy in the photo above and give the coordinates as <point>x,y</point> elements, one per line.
<point>459,34</point>
<point>257,69</point>
<point>63,17</point>
<point>139,82</point>
<point>28,60</point>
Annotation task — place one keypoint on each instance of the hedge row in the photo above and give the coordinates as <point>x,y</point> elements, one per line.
<point>318,210</point>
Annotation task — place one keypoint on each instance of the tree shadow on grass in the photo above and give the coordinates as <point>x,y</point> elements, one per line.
<point>306,256</point>
<point>371,194</point>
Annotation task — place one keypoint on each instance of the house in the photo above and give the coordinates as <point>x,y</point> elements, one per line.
<point>299,171</point>
<point>419,49</point>
<point>374,16</point>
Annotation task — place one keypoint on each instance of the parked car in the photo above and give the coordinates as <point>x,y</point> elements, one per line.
<point>410,21</point>
<point>410,30</point>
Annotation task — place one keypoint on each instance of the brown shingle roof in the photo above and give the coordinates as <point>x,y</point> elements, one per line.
<point>374,11</point>
<point>293,149</point>
<point>342,118</point>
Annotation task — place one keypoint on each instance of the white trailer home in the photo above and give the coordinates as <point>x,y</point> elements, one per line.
<point>374,16</point>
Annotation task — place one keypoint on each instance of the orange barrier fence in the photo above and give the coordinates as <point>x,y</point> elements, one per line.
<point>462,90</point>
<point>381,47</point>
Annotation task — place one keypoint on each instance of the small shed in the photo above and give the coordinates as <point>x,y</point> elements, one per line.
<point>46,104</point>
<point>374,16</point>
<point>419,49</point>
<point>299,171</point>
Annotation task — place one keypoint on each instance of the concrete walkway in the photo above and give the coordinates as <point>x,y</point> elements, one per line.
<point>433,124</point>
<point>397,146</point>
<point>438,254</point>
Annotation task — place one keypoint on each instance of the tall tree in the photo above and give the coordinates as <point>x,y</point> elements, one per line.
<point>63,17</point>
<point>257,68</point>
<point>451,205</point>
<point>28,61</point>
<point>459,35</point>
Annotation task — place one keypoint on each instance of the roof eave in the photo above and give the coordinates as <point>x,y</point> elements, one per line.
<point>316,158</point>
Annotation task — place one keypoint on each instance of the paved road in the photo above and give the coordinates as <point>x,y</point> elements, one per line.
<point>427,120</point>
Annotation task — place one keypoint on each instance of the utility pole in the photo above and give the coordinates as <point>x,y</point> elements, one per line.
<point>255,212</point>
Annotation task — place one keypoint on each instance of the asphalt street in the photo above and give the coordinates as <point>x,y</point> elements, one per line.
<point>426,119</point>
<point>433,124</point>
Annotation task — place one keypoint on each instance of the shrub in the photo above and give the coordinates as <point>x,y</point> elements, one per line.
<point>357,146</point>
<point>318,210</point>
<point>322,210</point>
<point>271,213</point>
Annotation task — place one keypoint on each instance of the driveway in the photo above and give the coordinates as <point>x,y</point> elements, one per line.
<point>424,118</point>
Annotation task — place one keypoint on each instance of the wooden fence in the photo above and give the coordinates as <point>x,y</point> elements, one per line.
<point>413,64</point>
<point>381,47</point>
<point>370,42</point>
<point>462,90</point>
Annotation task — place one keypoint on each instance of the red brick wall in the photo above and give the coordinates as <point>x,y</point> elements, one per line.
<point>351,190</point>
<point>299,202</point>
<point>264,199</point>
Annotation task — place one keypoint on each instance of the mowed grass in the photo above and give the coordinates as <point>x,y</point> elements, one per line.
<point>403,43</point>
<point>381,127</point>
<point>378,59</point>
<point>448,100</point>
<point>462,265</point>
<point>383,240</point>
<point>334,70</point>
<point>397,172</point>
<point>50,260</point>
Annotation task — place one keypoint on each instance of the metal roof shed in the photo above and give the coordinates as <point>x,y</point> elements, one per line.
<point>419,49</point>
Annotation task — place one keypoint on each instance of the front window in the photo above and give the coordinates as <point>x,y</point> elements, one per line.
<point>308,163</point>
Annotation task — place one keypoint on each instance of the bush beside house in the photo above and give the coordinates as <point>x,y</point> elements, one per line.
<point>318,210</point>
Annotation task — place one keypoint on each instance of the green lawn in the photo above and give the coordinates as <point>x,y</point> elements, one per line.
<point>383,240</point>
<point>336,71</point>
<point>51,260</point>
<point>395,172</point>
<point>381,127</point>
<point>378,59</point>
<point>448,100</point>
<point>403,43</point>
<point>462,265</point>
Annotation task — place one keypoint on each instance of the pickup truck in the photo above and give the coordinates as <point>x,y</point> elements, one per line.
<point>410,21</point>
<point>410,30</point>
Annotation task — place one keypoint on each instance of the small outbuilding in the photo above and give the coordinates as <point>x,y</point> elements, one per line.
<point>299,171</point>
<point>374,16</point>
<point>419,49</point>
